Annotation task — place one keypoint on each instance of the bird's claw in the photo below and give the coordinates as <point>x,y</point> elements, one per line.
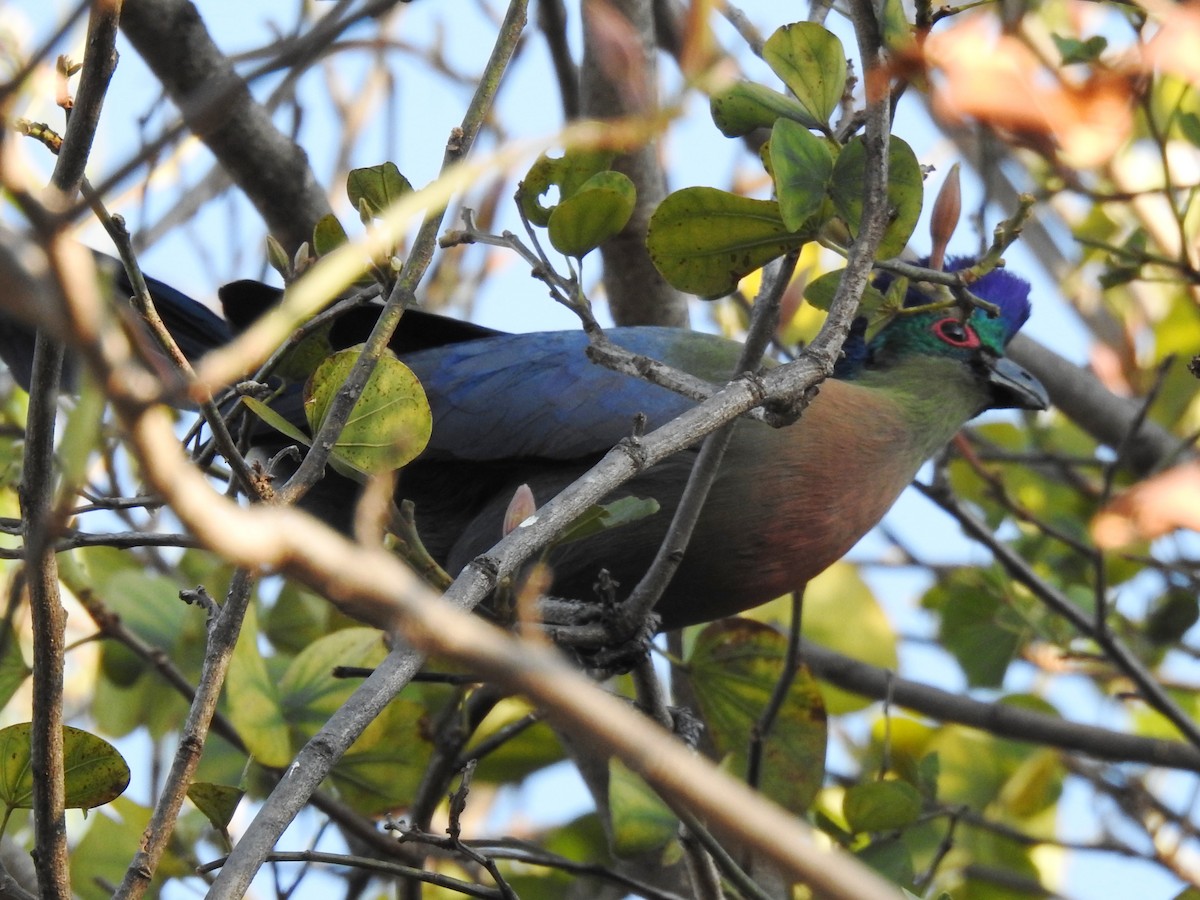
<point>604,635</point>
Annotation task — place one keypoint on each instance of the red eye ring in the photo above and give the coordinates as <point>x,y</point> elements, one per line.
<point>956,333</point>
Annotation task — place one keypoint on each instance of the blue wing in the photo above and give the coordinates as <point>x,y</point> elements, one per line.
<point>538,395</point>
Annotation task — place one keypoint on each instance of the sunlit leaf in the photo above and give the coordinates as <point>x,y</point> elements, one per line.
<point>389,425</point>
<point>384,767</point>
<point>704,241</point>
<point>276,421</point>
<point>568,173</point>
<point>252,699</point>
<point>881,805</point>
<point>94,772</point>
<point>534,748</point>
<point>812,63</point>
<point>606,516</point>
<point>593,214</point>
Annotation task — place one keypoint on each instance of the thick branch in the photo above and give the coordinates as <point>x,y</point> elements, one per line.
<point>1004,720</point>
<point>619,78</point>
<point>218,108</point>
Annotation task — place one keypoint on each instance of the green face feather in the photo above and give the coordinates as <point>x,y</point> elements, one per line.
<point>934,334</point>
<point>940,334</point>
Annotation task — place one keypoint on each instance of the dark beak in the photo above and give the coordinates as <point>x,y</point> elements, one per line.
<point>1013,387</point>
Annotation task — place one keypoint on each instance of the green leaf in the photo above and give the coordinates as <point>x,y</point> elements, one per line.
<point>276,421</point>
<point>252,699</point>
<point>980,625</point>
<point>1035,785</point>
<point>897,31</point>
<point>533,749</point>
<point>641,822</point>
<point>568,173</point>
<point>296,619</point>
<point>837,596</point>
<point>13,669</point>
<point>801,165</point>
<point>881,805</point>
<point>891,858</point>
<point>1074,50</point>
<point>901,744</point>
<point>1171,615</point>
<point>384,767</point>
<point>604,517</point>
<point>812,63</point>
<point>593,214</point>
<point>95,773</point>
<point>820,293</point>
<point>734,667</point>
<point>302,359</point>
<point>745,106</point>
<point>308,692</point>
<point>102,856</point>
<point>1189,126</point>
<point>905,191</point>
<point>149,606</point>
<point>389,425</point>
<point>704,241</point>
<point>218,802</point>
<point>328,235</point>
<point>376,186</point>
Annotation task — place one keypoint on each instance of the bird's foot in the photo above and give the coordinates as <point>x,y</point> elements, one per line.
<point>688,726</point>
<point>601,634</point>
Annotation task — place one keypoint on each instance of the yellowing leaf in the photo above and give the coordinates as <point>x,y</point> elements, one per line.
<point>734,667</point>
<point>252,699</point>
<point>389,425</point>
<point>641,822</point>
<point>95,773</point>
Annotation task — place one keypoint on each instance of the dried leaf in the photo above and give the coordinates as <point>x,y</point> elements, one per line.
<point>1155,507</point>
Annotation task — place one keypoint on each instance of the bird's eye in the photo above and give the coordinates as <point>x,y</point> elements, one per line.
<point>956,333</point>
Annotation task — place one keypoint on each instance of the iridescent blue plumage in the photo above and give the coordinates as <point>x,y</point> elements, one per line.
<point>532,409</point>
<point>1008,291</point>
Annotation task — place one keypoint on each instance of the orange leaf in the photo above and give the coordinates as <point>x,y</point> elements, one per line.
<point>1157,506</point>
<point>997,79</point>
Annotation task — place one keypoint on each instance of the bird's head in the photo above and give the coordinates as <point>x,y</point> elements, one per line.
<point>977,342</point>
